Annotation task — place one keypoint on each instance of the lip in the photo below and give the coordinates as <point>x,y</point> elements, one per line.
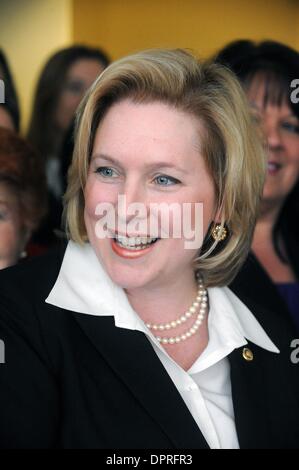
<point>273,167</point>
<point>130,254</point>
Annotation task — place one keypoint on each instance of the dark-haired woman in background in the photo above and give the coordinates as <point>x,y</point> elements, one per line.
<point>9,111</point>
<point>272,271</point>
<point>62,84</point>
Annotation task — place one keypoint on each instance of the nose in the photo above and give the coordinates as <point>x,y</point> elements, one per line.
<point>272,135</point>
<point>132,201</point>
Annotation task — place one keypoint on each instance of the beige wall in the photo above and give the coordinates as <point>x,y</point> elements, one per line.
<point>31,30</point>
<point>123,26</point>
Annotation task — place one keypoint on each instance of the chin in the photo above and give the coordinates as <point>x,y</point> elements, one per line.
<point>128,274</point>
<point>127,280</point>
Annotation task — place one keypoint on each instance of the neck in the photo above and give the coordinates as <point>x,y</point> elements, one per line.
<point>163,303</point>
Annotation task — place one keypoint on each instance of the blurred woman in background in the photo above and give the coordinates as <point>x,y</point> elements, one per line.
<point>9,111</point>
<point>22,196</point>
<point>64,80</point>
<point>272,271</point>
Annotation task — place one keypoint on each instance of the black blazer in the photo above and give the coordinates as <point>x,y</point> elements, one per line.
<point>75,381</point>
<point>254,282</point>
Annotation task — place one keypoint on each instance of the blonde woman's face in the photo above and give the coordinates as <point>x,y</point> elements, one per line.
<point>10,227</point>
<point>280,128</point>
<point>149,153</point>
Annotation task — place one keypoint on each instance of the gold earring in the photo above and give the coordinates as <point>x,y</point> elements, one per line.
<point>219,233</point>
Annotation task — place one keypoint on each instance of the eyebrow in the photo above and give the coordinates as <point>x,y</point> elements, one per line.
<point>150,166</point>
<point>288,116</point>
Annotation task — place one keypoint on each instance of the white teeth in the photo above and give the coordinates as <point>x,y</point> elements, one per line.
<point>122,240</point>
<point>273,166</point>
<point>131,242</point>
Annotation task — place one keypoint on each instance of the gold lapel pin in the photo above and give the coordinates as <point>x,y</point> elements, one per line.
<point>247,354</point>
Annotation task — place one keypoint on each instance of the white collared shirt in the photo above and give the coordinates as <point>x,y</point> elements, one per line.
<point>84,286</point>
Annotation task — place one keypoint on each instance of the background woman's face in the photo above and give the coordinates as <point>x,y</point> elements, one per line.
<point>5,119</point>
<point>10,227</point>
<point>80,77</point>
<point>280,128</point>
<point>151,154</point>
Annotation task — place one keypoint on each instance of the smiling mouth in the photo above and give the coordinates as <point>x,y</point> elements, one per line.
<point>273,167</point>
<point>134,243</point>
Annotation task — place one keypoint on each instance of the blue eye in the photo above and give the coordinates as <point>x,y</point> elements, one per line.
<point>293,128</point>
<point>106,172</point>
<point>163,180</point>
<point>3,215</point>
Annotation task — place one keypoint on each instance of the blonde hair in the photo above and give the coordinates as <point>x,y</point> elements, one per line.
<point>231,147</point>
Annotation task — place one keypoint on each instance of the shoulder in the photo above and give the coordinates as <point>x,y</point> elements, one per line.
<point>33,278</point>
<point>23,290</point>
<point>253,285</point>
<point>29,373</point>
<point>277,325</point>
<point>29,327</point>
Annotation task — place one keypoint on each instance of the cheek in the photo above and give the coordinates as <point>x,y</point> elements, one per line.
<point>292,161</point>
<point>65,110</point>
<point>9,242</point>
<point>91,201</point>
<point>292,175</point>
<point>204,210</point>
<point>96,193</point>
<point>295,160</point>
<point>67,102</point>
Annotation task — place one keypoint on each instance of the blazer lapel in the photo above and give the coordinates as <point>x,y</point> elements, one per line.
<point>249,395</point>
<point>263,389</point>
<point>131,356</point>
<point>265,400</point>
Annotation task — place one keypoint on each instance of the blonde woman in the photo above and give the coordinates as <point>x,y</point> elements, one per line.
<point>130,338</point>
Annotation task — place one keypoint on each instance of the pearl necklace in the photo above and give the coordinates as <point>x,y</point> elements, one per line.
<point>200,301</point>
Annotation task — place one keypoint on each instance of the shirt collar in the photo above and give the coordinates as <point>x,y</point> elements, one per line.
<point>83,286</point>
